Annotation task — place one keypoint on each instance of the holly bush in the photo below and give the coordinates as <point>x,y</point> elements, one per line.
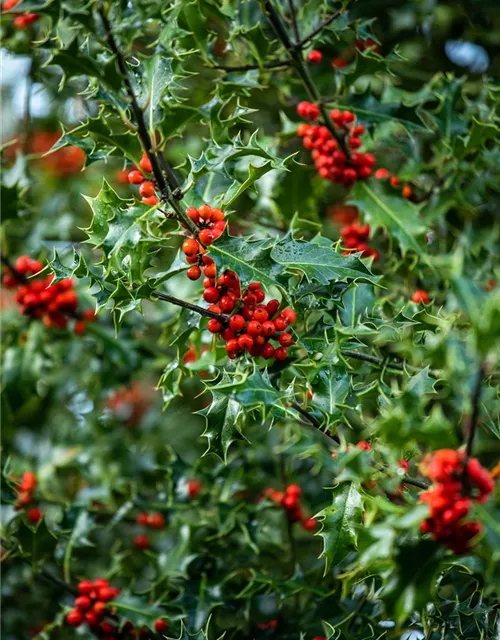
<point>250,319</point>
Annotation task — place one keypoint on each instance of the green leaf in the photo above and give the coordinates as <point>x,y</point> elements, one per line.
<point>330,389</point>
<point>318,261</point>
<point>250,259</point>
<point>396,214</point>
<point>223,424</point>
<point>78,538</point>
<point>340,524</point>
<point>135,610</point>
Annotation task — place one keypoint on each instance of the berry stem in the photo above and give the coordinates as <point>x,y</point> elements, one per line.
<point>157,159</point>
<point>20,277</point>
<point>192,307</point>
<point>295,53</point>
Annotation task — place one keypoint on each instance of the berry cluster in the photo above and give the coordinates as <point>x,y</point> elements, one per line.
<point>55,303</point>
<point>91,607</point>
<point>451,496</point>
<point>255,324</point>
<point>290,501</point>
<point>66,161</point>
<point>154,521</point>
<point>354,237</point>
<point>25,491</point>
<point>385,174</point>
<point>330,161</point>
<point>147,188</point>
<point>211,224</point>
<point>22,21</point>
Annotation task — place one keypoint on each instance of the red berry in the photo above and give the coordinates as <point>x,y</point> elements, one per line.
<point>314,56</point>
<point>293,490</point>
<point>217,215</point>
<point>289,501</point>
<point>281,353</point>
<point>141,542</point>
<point>193,488</point>
<point>237,322</point>
<point>193,214</point>
<point>135,177</point>
<point>147,189</point>
<point>34,515</point>
<point>394,181</point>
<point>101,582</point>
<point>214,326</point>
<point>309,524</point>
<point>227,304</point>
<point>268,328</point>
<point>245,342</point>
<point>194,272</point>
<point>280,324</point>
<point>210,270</point>
<point>161,625</point>
<point>83,603</point>
<point>267,351</point>
<point>382,174</point>
<point>205,211</point>
<point>254,328</point>
<point>106,594</point>
<point>407,192</point>
<point>74,618</point>
<point>420,296</point>
<point>142,519</point>
<point>232,346</point>
<point>206,237</point>
<point>91,618</point>
<point>272,306</point>
<point>286,340</point>
<point>190,247</point>
<point>145,163</point>
<point>211,294</point>
<point>261,314</point>
<point>79,328</point>
<point>85,587</point>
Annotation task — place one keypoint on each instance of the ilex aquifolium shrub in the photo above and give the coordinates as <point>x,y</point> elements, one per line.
<point>250,376</point>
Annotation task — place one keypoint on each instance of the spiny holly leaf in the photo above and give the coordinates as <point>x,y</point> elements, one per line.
<point>61,269</point>
<point>135,610</point>
<point>122,232</point>
<point>223,424</point>
<point>36,541</point>
<point>391,109</point>
<point>158,79</point>
<point>330,390</point>
<point>251,260</point>
<point>396,214</point>
<point>223,172</point>
<point>318,261</point>
<point>221,116</point>
<point>98,141</point>
<point>340,524</point>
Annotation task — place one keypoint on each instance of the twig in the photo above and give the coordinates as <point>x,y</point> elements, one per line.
<point>421,484</point>
<point>192,307</point>
<point>295,25</point>
<point>379,362</point>
<point>20,277</point>
<point>250,67</point>
<point>158,161</point>
<point>470,425</point>
<point>314,421</point>
<point>295,52</point>
<point>320,28</point>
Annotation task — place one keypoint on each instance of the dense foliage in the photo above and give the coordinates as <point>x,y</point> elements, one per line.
<point>282,418</point>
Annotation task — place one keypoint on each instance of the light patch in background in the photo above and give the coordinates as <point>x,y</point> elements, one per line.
<point>467,54</point>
